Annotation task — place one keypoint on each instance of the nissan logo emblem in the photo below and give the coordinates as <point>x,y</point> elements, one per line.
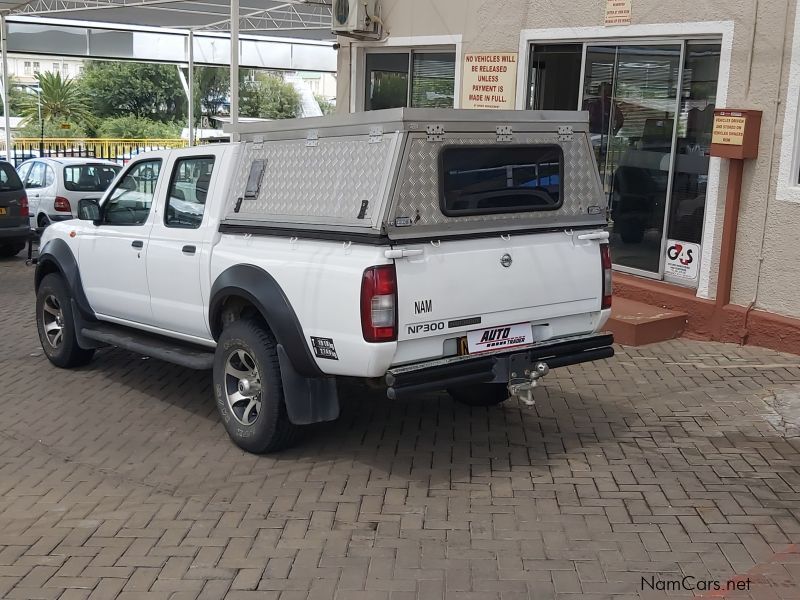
<point>506,260</point>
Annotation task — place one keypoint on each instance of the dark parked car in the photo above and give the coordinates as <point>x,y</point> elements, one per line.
<point>14,224</point>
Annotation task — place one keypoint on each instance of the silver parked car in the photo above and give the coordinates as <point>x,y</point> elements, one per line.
<point>55,185</point>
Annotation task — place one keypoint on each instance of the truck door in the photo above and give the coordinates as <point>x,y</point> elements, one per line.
<point>180,243</point>
<point>113,254</point>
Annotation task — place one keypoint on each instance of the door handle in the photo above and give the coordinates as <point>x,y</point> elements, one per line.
<point>595,235</point>
<point>189,249</point>
<point>403,252</point>
<point>137,244</point>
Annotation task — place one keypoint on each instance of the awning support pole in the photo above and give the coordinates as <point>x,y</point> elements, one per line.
<point>234,69</point>
<point>191,88</point>
<point>6,103</point>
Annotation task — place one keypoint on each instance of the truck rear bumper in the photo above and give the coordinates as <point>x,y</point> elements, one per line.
<point>497,367</point>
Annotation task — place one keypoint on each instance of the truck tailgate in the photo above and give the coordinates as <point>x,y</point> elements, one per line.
<point>552,280</point>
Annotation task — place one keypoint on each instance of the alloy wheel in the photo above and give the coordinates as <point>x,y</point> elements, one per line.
<point>243,387</point>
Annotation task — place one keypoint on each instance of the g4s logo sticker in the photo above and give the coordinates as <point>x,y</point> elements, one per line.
<point>685,257</point>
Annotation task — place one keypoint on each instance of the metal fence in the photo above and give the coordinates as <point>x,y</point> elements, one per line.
<point>117,150</point>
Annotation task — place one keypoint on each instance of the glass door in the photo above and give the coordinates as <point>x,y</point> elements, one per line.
<point>631,93</point>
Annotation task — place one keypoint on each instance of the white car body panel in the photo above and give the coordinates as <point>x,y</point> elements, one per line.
<point>554,280</point>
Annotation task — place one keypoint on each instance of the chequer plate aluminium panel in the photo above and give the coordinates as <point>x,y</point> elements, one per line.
<point>417,196</point>
<point>324,181</point>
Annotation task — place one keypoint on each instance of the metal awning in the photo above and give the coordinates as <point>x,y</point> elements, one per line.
<point>301,18</point>
<point>307,19</point>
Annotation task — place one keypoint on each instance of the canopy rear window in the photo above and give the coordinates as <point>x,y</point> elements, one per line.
<point>482,180</point>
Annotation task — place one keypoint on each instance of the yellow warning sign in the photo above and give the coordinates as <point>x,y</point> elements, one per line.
<point>728,130</point>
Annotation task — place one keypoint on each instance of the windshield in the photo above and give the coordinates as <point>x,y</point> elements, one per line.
<point>9,180</point>
<point>89,178</point>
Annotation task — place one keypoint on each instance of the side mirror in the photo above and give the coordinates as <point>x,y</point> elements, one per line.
<point>89,210</point>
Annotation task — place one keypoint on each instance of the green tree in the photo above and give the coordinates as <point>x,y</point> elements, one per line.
<point>132,127</point>
<point>327,107</point>
<point>59,99</point>
<point>268,96</point>
<point>211,90</point>
<point>52,129</point>
<point>16,95</point>
<point>142,89</point>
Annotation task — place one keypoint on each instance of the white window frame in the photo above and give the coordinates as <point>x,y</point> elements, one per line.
<point>788,188</point>
<point>426,43</point>
<point>712,230</point>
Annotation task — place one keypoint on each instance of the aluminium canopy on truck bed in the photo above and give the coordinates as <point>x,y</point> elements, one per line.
<point>416,173</point>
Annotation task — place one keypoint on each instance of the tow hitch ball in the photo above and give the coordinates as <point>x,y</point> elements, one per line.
<point>524,390</point>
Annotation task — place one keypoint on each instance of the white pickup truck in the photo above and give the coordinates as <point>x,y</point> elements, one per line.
<point>435,249</point>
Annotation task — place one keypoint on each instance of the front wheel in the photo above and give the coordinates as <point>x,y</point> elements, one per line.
<point>482,394</point>
<point>56,324</point>
<point>249,391</point>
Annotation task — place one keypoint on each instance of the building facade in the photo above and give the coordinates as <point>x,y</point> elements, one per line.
<point>24,67</point>
<point>650,74</point>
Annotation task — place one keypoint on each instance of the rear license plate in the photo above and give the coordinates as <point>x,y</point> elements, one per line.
<point>499,338</point>
<point>2,210</point>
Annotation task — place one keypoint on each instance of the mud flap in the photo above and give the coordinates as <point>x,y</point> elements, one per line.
<point>308,399</point>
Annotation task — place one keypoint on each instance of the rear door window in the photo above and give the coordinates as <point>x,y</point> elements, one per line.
<point>482,180</point>
<point>188,190</point>
<point>89,178</point>
<point>36,176</point>
<point>9,180</point>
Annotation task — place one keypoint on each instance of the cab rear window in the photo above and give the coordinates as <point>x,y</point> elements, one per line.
<point>482,180</point>
<point>9,180</point>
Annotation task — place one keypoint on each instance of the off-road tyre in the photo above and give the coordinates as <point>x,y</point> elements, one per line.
<point>243,344</point>
<point>53,316</point>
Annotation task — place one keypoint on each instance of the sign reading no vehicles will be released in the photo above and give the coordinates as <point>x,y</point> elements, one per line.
<point>489,81</point>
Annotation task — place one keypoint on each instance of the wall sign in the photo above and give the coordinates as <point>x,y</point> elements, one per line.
<point>618,12</point>
<point>728,130</point>
<point>489,81</point>
<point>683,260</point>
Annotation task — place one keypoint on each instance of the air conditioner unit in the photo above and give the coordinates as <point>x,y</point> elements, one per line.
<point>356,18</point>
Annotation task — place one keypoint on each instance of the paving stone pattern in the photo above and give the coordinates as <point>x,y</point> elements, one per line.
<point>675,460</point>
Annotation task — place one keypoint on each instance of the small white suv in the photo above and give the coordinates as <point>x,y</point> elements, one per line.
<point>55,185</point>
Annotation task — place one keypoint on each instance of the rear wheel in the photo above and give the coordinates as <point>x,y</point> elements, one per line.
<point>481,394</point>
<point>56,324</point>
<point>248,389</point>
<point>10,250</point>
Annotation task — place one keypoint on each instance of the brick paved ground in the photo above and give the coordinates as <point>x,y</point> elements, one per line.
<point>678,459</point>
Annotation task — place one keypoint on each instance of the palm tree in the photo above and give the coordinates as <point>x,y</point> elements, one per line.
<point>60,99</point>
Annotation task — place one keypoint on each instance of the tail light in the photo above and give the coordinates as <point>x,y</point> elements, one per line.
<point>62,204</point>
<point>23,207</point>
<point>379,304</point>
<point>605,258</point>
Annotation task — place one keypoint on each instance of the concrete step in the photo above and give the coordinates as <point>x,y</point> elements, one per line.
<point>635,323</point>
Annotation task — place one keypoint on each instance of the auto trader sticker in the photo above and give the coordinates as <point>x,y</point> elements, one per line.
<point>324,348</point>
<point>499,338</point>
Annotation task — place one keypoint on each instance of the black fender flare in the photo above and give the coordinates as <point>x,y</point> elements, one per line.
<point>57,256</point>
<point>310,395</point>
<point>259,288</point>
